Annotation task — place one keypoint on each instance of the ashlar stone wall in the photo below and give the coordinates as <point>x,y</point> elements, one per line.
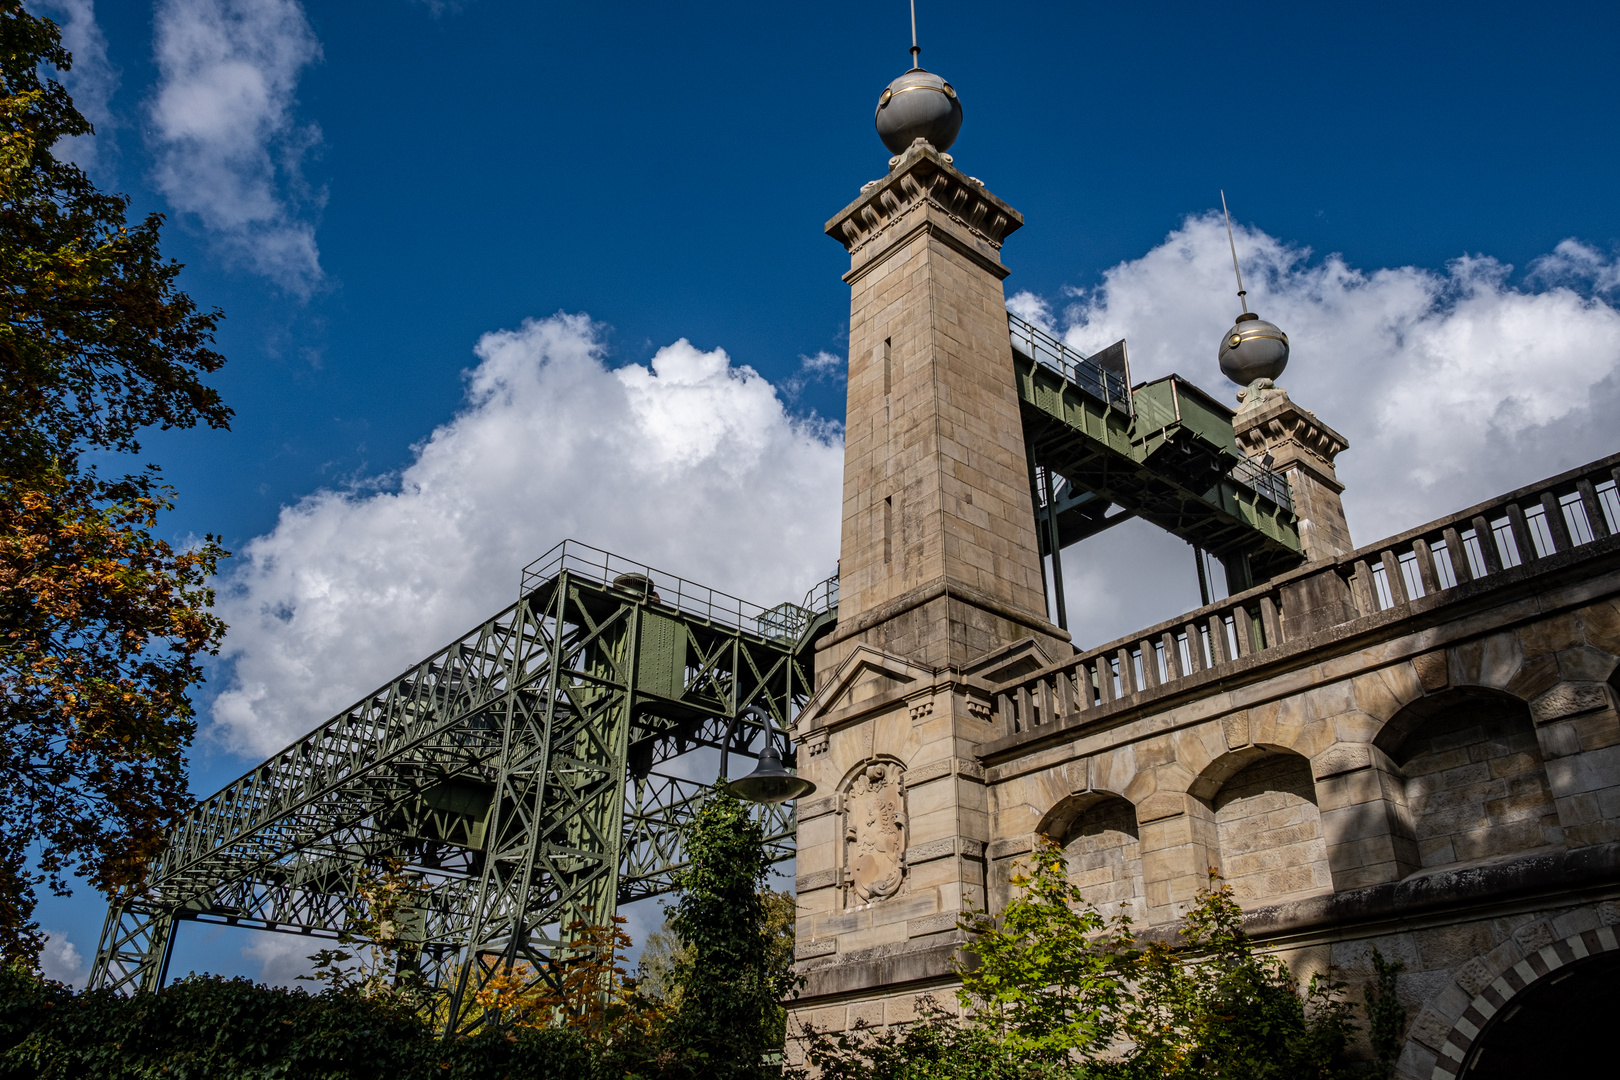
<point>1269,832</point>
<point>1445,789</point>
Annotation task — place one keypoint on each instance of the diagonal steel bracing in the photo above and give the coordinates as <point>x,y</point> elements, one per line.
<point>536,771</point>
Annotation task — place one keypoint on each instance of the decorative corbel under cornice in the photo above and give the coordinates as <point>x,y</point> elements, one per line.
<point>923,175</point>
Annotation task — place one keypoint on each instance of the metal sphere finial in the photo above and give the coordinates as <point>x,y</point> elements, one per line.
<point>918,105</point>
<point>1253,348</point>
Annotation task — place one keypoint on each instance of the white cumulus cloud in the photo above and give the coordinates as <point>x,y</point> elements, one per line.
<point>227,143</point>
<point>690,464</point>
<point>283,959</point>
<point>60,960</point>
<point>1451,385</point>
<point>92,81</point>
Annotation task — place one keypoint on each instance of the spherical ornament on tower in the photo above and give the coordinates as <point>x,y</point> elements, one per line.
<point>1253,349</point>
<point>919,104</point>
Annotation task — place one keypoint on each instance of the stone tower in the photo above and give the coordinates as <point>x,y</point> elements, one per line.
<point>939,560</point>
<point>1302,448</point>
<point>940,582</point>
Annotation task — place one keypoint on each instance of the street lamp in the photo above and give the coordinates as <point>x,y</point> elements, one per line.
<point>770,782</point>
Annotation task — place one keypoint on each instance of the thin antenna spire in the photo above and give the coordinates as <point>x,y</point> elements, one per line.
<point>1230,242</point>
<point>915,51</point>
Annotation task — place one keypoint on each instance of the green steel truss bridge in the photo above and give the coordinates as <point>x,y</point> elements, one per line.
<point>1102,452</point>
<point>530,773</point>
<point>537,770</point>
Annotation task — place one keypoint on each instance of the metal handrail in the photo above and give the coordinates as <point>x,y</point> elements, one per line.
<point>785,620</point>
<point>1265,482</point>
<point>823,596</point>
<point>1092,378</point>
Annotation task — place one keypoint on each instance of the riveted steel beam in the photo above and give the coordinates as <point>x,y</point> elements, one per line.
<point>535,771</point>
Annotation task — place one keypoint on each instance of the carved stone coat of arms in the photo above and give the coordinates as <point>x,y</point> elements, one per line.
<point>875,832</point>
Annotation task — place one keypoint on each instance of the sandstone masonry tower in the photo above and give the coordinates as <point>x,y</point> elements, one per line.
<point>939,559</point>
<point>939,569</point>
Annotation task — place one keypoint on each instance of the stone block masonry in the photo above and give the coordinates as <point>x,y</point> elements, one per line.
<point>1413,746</point>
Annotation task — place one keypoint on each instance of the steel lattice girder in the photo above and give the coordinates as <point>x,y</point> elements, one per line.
<point>1092,445</point>
<point>528,772</point>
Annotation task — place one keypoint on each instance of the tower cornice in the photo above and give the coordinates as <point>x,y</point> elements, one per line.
<point>924,179</point>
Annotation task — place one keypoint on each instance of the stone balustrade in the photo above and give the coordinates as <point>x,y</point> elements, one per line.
<point>1567,518</point>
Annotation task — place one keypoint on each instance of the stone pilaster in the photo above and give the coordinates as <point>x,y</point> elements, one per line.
<point>1303,449</point>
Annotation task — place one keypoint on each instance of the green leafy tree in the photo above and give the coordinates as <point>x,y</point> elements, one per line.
<point>101,622</point>
<point>779,927</point>
<point>1052,990</point>
<point>729,1011</point>
<point>1212,1007</point>
<point>1386,1016</point>
<point>209,1028</point>
<point>378,942</point>
<point>661,953</point>
<point>1047,979</point>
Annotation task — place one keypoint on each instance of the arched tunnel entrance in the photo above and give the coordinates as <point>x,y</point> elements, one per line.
<point>1559,1026</point>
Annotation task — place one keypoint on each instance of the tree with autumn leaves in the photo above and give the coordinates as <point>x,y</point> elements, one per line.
<point>102,623</point>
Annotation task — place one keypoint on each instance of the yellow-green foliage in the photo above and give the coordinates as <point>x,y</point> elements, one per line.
<point>1052,990</point>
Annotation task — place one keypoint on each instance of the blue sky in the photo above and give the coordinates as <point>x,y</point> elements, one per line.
<point>369,190</point>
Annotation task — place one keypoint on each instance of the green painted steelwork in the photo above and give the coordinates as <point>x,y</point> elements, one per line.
<point>527,773</point>
<point>1164,452</point>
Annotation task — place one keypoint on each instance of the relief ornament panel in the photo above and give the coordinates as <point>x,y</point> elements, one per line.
<point>875,832</point>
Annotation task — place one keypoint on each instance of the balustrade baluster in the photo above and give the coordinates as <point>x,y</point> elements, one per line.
<point>1361,589</point>
<point>1240,632</point>
<point>1425,566</point>
<point>1217,641</point>
<point>1555,522</point>
<point>1150,666</point>
<point>1172,658</point>
<point>1127,682</point>
<point>1594,509</point>
<point>1522,538</point>
<point>1066,702</point>
<point>1195,648</point>
<point>1270,625</point>
<point>1393,576</point>
<point>1458,556</point>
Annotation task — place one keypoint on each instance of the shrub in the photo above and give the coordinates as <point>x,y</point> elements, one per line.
<point>1054,990</point>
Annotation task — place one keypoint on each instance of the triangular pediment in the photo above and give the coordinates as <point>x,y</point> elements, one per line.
<point>865,673</point>
<point>1015,660</point>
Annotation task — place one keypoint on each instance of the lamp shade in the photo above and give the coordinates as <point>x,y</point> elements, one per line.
<point>770,782</point>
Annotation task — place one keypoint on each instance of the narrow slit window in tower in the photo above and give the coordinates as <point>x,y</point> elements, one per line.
<point>888,528</point>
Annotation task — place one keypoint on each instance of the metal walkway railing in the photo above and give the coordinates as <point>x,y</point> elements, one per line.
<point>1096,380</point>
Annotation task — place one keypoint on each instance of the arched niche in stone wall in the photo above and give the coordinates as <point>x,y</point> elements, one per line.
<point>1099,835</point>
<point>1475,782</point>
<point>1269,830</point>
<point>876,830</point>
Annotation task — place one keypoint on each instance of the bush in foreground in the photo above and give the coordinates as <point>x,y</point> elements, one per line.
<point>1053,990</point>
